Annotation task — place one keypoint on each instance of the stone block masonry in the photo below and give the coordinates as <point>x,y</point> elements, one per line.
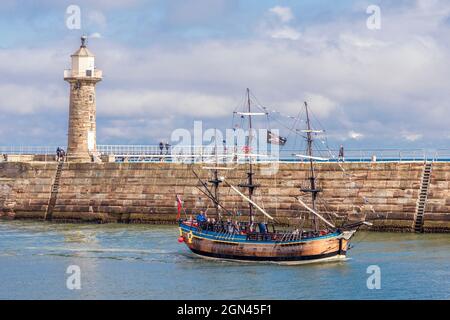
<point>145,192</point>
<point>81,119</point>
<point>25,188</point>
<point>437,209</point>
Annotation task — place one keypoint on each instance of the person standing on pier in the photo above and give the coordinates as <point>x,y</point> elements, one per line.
<point>58,154</point>
<point>341,153</point>
<point>167,146</point>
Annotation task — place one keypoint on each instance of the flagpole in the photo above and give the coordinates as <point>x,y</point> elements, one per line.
<point>182,207</point>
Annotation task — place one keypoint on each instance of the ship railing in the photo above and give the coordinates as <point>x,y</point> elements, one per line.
<point>258,236</point>
<point>288,236</point>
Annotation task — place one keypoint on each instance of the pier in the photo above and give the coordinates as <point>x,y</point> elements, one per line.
<point>396,195</point>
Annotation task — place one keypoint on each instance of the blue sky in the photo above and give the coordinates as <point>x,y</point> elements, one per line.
<point>168,63</point>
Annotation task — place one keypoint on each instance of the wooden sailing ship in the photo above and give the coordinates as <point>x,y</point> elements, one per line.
<point>253,241</point>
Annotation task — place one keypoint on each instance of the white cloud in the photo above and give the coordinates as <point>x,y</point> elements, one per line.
<point>355,135</point>
<point>18,64</point>
<point>362,42</point>
<point>321,106</point>
<point>285,33</point>
<point>95,35</point>
<point>162,104</point>
<point>141,131</point>
<point>26,99</point>
<point>410,136</point>
<point>276,24</point>
<point>283,13</point>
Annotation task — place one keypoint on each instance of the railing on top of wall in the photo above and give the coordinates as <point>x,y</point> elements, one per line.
<point>154,153</point>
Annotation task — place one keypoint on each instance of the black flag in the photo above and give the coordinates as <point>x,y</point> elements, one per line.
<point>272,138</point>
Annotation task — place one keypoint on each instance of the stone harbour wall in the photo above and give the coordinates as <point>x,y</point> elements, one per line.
<point>385,193</point>
<point>437,209</point>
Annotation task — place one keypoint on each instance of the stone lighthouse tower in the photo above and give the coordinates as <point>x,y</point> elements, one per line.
<point>81,145</point>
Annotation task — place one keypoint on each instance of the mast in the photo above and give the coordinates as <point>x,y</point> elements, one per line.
<point>312,178</point>
<point>216,181</point>
<point>251,187</point>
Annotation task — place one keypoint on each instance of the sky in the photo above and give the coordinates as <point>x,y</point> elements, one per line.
<point>169,63</point>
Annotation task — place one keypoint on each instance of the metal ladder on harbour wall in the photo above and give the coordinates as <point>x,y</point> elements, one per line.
<point>423,195</point>
<point>54,193</point>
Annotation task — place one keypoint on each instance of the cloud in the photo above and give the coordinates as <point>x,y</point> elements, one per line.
<point>137,131</point>
<point>410,136</point>
<point>285,33</point>
<point>283,13</point>
<point>162,104</point>
<point>322,106</point>
<point>276,24</point>
<point>25,99</point>
<point>355,135</point>
<point>31,64</point>
<point>95,35</point>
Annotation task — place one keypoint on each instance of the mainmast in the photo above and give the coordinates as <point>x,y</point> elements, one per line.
<point>312,179</point>
<point>251,187</point>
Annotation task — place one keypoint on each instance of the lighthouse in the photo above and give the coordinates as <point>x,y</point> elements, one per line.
<point>82,78</point>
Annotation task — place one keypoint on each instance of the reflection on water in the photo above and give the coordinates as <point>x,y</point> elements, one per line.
<point>147,262</point>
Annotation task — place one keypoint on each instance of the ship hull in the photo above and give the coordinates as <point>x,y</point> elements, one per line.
<point>331,247</point>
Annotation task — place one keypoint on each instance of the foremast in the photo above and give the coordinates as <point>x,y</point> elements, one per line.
<point>215,181</point>
<point>249,185</point>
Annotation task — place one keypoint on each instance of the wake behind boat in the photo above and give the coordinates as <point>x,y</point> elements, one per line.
<point>264,241</point>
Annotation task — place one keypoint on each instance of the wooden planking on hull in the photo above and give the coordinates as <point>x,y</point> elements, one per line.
<point>266,251</point>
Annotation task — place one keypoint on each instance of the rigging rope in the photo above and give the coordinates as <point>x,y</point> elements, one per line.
<point>291,127</point>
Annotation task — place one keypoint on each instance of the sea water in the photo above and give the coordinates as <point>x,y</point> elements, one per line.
<point>118,261</point>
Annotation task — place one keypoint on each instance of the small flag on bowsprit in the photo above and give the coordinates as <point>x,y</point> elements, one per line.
<point>179,206</point>
<point>275,139</point>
